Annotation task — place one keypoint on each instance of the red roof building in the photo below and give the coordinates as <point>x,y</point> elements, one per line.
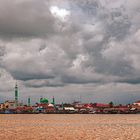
<point>99,105</point>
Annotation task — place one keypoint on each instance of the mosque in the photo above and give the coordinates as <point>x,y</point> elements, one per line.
<point>13,103</point>
<point>43,104</point>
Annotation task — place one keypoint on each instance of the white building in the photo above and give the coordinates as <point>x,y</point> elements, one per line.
<point>137,103</point>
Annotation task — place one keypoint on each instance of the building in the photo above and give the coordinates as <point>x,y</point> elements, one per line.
<point>53,101</point>
<point>16,95</point>
<point>24,109</point>
<point>137,103</point>
<point>69,109</point>
<point>44,101</point>
<point>29,101</point>
<point>45,108</point>
<point>2,106</point>
<point>10,104</point>
<point>50,108</point>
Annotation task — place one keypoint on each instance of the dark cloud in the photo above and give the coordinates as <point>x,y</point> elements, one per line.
<point>59,44</point>
<point>118,24</point>
<point>37,83</point>
<point>25,18</point>
<point>135,80</point>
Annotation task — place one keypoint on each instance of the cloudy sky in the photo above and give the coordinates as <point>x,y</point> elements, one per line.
<point>85,50</point>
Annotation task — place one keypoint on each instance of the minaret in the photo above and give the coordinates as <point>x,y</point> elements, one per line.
<point>53,101</point>
<point>29,101</point>
<point>62,105</point>
<point>16,94</point>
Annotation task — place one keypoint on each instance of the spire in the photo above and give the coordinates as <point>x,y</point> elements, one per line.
<point>29,101</point>
<point>16,94</point>
<point>62,105</point>
<point>16,86</point>
<point>53,101</point>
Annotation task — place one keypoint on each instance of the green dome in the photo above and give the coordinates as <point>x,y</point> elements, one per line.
<point>44,100</point>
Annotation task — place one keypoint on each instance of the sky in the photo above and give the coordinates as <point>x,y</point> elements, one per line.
<point>85,50</point>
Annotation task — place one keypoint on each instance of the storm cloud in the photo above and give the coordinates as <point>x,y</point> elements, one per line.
<point>71,48</point>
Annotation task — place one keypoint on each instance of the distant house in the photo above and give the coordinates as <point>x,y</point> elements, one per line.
<point>135,107</point>
<point>99,105</point>
<point>2,106</point>
<point>45,108</point>
<point>137,103</point>
<point>69,109</point>
<point>24,109</point>
<point>50,108</point>
<point>10,104</point>
<point>88,105</point>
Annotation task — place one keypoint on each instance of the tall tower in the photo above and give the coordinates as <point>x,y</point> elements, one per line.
<point>62,105</point>
<point>29,101</point>
<point>53,101</point>
<point>16,94</point>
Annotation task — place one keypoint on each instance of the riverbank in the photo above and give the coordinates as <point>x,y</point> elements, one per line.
<point>69,127</point>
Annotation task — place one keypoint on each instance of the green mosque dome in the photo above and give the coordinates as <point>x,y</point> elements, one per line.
<point>44,100</point>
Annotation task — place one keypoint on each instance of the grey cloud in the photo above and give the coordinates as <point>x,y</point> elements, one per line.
<point>25,18</point>
<point>98,44</point>
<point>6,81</point>
<point>135,80</point>
<point>2,51</point>
<point>28,76</point>
<point>118,25</point>
<point>44,83</point>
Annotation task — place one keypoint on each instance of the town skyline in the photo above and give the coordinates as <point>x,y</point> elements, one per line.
<point>76,107</point>
<point>25,101</point>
